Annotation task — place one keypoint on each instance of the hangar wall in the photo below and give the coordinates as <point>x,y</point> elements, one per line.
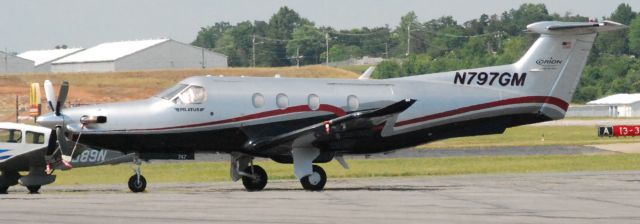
<point>13,64</point>
<point>171,55</point>
<point>107,66</point>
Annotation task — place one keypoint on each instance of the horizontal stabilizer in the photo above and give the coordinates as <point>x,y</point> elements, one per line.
<point>367,74</point>
<point>395,108</point>
<point>554,27</point>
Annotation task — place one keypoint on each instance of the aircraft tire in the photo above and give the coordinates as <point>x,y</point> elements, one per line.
<point>135,186</point>
<point>4,189</point>
<point>307,185</point>
<point>259,182</point>
<point>33,189</point>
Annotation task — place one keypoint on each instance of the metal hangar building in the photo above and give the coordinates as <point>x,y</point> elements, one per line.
<point>139,55</point>
<point>12,64</point>
<point>43,58</point>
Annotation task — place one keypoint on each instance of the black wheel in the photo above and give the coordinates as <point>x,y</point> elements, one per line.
<point>33,189</point>
<point>257,181</point>
<point>315,181</point>
<point>137,186</point>
<point>4,189</point>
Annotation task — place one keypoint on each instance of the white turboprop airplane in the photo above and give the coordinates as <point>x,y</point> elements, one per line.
<point>306,121</point>
<point>24,148</point>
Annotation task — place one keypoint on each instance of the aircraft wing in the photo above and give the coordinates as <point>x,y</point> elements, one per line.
<point>325,128</point>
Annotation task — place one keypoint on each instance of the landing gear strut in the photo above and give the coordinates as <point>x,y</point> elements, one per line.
<point>316,180</point>
<point>137,182</point>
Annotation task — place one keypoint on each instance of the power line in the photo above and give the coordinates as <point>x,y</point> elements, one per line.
<point>359,34</point>
<point>458,36</point>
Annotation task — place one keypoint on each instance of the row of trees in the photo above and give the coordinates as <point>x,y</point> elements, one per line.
<point>415,47</point>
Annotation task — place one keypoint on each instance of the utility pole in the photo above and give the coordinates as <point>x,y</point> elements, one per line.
<point>409,39</point>
<point>17,120</point>
<point>326,39</point>
<point>6,59</point>
<point>386,50</point>
<point>298,57</point>
<point>253,51</point>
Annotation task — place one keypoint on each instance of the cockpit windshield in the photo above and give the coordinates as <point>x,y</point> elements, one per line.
<point>184,94</point>
<point>192,95</point>
<point>169,93</point>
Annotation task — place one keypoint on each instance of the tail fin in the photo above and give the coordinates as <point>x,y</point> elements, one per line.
<point>559,55</point>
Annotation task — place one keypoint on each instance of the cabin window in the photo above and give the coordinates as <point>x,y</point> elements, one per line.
<point>352,102</point>
<point>170,93</point>
<point>192,95</point>
<point>258,100</point>
<point>314,102</point>
<point>35,137</point>
<point>10,135</point>
<point>282,101</point>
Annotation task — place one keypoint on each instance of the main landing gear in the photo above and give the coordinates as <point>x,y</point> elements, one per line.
<point>33,189</point>
<point>137,182</point>
<point>254,178</point>
<point>7,179</point>
<point>314,181</point>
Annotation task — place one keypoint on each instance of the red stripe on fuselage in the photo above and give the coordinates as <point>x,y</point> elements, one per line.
<point>339,112</point>
<point>302,108</point>
<point>520,100</point>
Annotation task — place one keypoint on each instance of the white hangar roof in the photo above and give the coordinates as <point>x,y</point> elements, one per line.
<point>44,56</point>
<point>109,51</point>
<point>623,98</point>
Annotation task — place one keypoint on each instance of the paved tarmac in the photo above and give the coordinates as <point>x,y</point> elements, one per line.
<point>461,152</point>
<point>583,197</point>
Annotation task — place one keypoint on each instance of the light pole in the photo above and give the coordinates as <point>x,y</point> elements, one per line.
<point>408,39</point>
<point>326,40</point>
<point>253,50</point>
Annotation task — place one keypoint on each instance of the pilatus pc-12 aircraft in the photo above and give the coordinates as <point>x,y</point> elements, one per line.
<point>307,121</point>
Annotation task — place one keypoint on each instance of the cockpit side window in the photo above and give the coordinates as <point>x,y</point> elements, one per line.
<point>35,137</point>
<point>192,95</point>
<point>170,93</point>
<point>10,135</point>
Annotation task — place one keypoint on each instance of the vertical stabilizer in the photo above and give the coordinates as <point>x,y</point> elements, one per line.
<point>558,57</point>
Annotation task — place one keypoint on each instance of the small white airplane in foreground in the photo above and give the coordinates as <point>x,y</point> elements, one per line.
<point>307,121</point>
<point>24,148</point>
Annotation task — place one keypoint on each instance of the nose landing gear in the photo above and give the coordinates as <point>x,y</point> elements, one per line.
<point>137,182</point>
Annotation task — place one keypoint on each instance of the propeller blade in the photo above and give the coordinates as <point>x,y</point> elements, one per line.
<point>50,93</point>
<point>62,141</point>
<point>51,146</point>
<point>64,89</point>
